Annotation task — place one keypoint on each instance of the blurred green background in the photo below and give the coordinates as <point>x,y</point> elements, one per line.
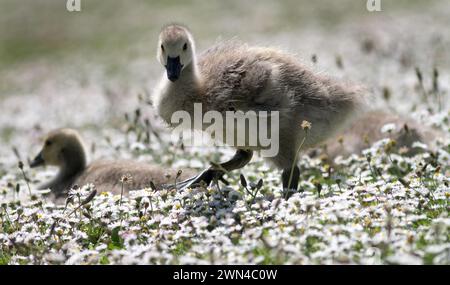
<point>32,29</point>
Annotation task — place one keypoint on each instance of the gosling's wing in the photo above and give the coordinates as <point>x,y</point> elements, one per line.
<point>236,77</point>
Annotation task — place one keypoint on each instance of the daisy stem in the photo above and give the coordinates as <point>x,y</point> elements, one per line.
<point>121,195</point>
<point>26,180</point>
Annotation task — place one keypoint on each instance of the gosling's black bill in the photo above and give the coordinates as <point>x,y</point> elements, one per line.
<point>37,161</point>
<point>173,68</point>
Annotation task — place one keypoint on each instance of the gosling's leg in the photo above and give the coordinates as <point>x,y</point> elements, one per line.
<point>294,180</point>
<point>239,160</point>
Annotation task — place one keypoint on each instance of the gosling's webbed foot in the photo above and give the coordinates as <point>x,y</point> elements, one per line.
<point>205,177</point>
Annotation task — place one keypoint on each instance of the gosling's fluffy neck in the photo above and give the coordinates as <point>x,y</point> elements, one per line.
<point>74,163</point>
<point>179,95</point>
<point>189,80</point>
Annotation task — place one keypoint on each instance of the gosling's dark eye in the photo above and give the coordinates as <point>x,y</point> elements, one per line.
<point>185,46</point>
<point>162,47</point>
<point>48,143</point>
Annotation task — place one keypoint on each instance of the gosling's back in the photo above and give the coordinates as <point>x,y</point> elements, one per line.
<point>236,76</point>
<point>106,175</point>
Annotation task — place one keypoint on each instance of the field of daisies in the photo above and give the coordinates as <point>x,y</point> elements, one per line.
<point>374,207</point>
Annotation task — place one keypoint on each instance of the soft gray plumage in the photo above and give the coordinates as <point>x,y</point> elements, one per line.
<point>244,78</point>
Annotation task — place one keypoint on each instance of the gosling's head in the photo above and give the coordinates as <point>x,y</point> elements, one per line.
<point>62,148</point>
<point>175,50</point>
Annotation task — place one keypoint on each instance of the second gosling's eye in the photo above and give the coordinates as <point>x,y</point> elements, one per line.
<point>162,47</point>
<point>185,46</point>
<point>48,143</point>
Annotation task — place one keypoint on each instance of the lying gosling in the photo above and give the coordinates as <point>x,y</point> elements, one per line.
<point>234,76</point>
<point>362,133</point>
<point>64,148</point>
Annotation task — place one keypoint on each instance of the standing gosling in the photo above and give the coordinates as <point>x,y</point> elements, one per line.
<point>234,76</point>
<point>64,148</point>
